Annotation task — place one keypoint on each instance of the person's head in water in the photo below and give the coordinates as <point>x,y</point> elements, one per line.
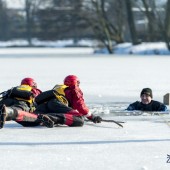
<point>146,95</point>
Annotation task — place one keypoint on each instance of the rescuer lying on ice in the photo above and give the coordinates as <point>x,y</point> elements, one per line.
<point>17,103</point>
<point>64,104</point>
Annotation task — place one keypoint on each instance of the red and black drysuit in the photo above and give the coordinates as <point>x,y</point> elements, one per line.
<point>71,115</point>
<point>18,107</point>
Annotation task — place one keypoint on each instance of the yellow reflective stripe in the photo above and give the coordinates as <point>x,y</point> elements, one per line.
<point>62,99</point>
<point>24,87</point>
<point>60,88</point>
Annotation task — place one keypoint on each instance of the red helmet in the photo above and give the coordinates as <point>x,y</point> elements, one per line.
<point>29,81</point>
<point>71,80</point>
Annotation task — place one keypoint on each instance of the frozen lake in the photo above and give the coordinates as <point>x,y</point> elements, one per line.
<point>103,78</point>
<point>108,83</point>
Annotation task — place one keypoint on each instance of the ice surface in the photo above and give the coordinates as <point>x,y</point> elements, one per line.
<point>109,84</point>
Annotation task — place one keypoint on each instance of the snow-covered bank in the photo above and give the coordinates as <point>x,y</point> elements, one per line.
<point>157,48</point>
<point>43,52</point>
<point>81,47</point>
<point>57,43</point>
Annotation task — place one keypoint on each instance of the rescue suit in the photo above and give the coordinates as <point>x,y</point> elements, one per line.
<point>18,102</point>
<point>63,104</point>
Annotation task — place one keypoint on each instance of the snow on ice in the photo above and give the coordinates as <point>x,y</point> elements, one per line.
<point>109,83</point>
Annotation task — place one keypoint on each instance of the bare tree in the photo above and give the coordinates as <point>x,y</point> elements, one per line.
<point>131,23</point>
<point>155,15</point>
<point>30,7</point>
<point>167,25</point>
<point>149,12</point>
<point>3,21</point>
<point>105,18</point>
<point>61,20</point>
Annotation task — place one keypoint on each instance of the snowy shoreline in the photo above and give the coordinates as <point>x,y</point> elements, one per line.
<point>83,47</point>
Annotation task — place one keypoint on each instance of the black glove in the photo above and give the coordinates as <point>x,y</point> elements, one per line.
<point>96,119</point>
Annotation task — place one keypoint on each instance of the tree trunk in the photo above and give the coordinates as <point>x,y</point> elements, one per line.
<point>3,21</point>
<point>151,21</point>
<point>28,21</point>
<point>107,37</point>
<point>131,23</point>
<point>167,25</point>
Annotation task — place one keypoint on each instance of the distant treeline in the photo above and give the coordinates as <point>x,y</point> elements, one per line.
<point>109,21</point>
